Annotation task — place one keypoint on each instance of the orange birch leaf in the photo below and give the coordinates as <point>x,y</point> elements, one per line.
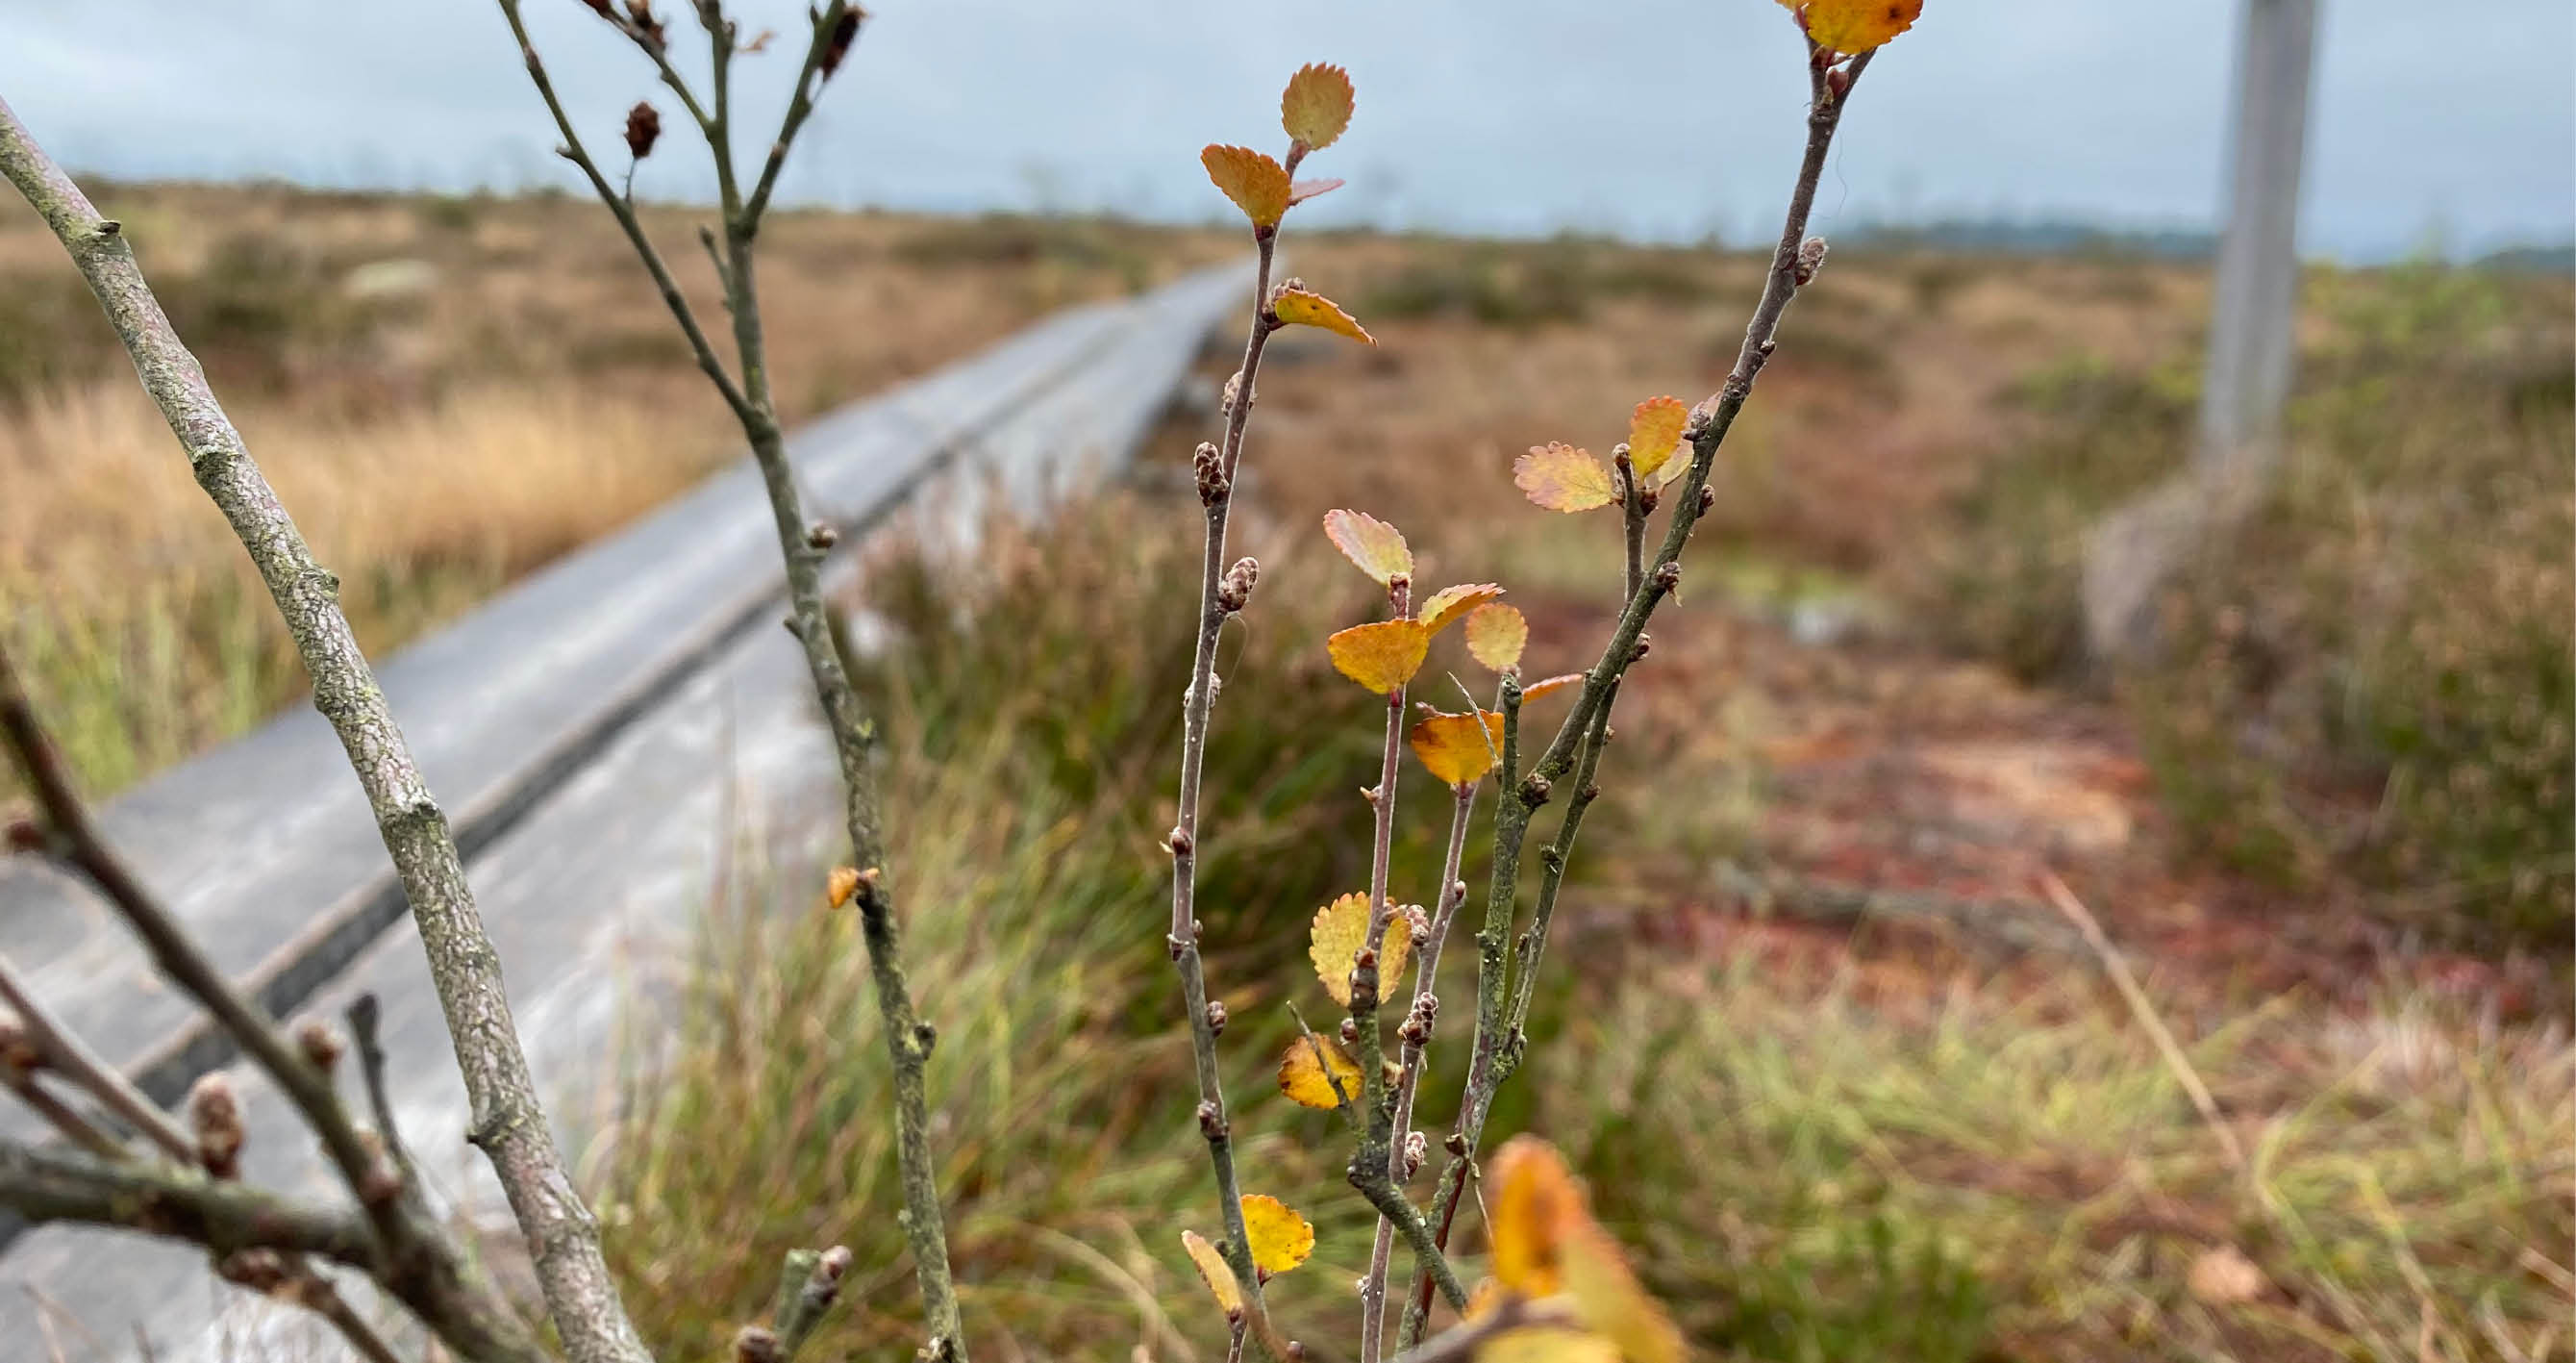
<point>1316,106</point>
<point>1654,432</point>
<point>1496,634</point>
<point>1280,1239</point>
<point>1214,1271</point>
<point>1562,478</point>
<point>1340,930</point>
<point>1551,686</point>
<point>1304,308</point>
<point>1855,26</point>
<point>1381,656</point>
<point>1459,749</point>
<point>1308,1078</point>
<point>1449,604</point>
<point>1257,184</point>
<point>1377,548</point>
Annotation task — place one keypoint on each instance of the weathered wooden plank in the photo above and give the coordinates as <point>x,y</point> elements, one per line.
<point>599,880</point>
<point>266,847</point>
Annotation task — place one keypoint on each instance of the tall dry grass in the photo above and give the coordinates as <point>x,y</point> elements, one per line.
<point>448,393</point>
<point>1813,1158</point>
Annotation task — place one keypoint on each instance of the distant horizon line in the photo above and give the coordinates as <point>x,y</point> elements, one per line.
<point>2043,232</point>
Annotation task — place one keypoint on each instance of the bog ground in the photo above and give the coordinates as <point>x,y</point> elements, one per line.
<point>1841,1073</point>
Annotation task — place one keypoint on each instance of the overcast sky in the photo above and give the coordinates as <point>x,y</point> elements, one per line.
<point>2434,123</point>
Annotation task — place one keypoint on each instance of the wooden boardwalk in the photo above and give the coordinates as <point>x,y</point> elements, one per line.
<point>600,735</point>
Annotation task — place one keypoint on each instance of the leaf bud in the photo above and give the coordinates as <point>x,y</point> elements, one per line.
<point>215,1122</point>
<point>1811,258</point>
<point>643,129</point>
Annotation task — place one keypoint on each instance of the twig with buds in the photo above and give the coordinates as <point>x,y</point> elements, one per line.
<point>803,543</point>
<point>1507,967</point>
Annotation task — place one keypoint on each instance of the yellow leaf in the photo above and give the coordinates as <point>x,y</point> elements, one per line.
<point>1256,183</point>
<point>1496,634</point>
<point>1562,478</point>
<point>1302,307</point>
<point>1279,1237</point>
<point>1551,686</point>
<point>1341,929</point>
<point>1855,26</point>
<point>1535,1202</point>
<point>1317,105</point>
<point>1449,603</point>
<point>1213,1269</point>
<point>1457,748</point>
<point>1654,432</point>
<point>1377,547</point>
<point>1609,1298</point>
<point>1308,1080</point>
<point>1383,656</point>
<point>1547,1344</point>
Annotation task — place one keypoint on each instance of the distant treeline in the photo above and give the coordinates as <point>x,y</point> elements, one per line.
<point>2024,236</point>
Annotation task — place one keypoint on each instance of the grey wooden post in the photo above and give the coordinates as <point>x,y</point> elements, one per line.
<point>2253,318</point>
<point>2253,311</point>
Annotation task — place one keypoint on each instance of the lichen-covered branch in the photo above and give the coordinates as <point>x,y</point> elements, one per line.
<point>508,1120</point>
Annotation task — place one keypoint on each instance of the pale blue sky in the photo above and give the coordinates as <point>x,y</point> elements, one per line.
<point>1660,118</point>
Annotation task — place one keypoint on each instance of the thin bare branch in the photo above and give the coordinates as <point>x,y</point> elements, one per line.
<point>61,1047</point>
<point>237,1223</point>
<point>836,26</point>
<point>180,1204</point>
<point>1215,466</point>
<point>60,1115</point>
<point>1413,1057</point>
<point>908,1039</point>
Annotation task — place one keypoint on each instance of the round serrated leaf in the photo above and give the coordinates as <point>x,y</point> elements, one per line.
<point>1308,1070</point>
<point>1257,184</point>
<point>1459,749</point>
<point>1375,547</point>
<point>1854,26</point>
<point>1280,1239</point>
<point>1654,432</point>
<point>1561,477</point>
<point>1340,930</point>
<point>1496,634</point>
<point>1381,656</point>
<point>1316,106</point>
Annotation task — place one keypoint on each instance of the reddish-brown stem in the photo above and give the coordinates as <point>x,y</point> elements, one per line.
<point>1216,496</point>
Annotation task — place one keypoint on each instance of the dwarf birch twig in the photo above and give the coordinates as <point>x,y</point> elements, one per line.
<point>1500,1009</point>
